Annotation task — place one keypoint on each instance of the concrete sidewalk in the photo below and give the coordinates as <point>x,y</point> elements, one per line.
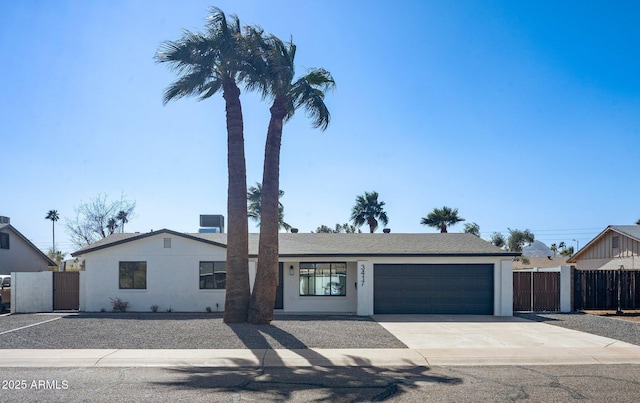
<point>432,340</point>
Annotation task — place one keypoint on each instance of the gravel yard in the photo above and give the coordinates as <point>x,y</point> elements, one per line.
<point>207,331</point>
<point>611,327</point>
<point>190,331</point>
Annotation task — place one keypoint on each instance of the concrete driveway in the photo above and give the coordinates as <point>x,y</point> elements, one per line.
<point>491,340</point>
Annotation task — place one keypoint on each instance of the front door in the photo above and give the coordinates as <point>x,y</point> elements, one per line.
<point>279,293</point>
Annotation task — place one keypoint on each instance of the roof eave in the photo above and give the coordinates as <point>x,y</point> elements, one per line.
<point>145,235</point>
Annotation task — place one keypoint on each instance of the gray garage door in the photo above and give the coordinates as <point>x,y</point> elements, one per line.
<point>433,288</point>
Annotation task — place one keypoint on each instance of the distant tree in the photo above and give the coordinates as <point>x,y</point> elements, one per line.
<point>339,228</point>
<point>53,216</point>
<point>554,248</point>
<point>638,222</point>
<point>123,217</point>
<point>517,239</point>
<point>369,210</point>
<point>497,239</point>
<point>112,224</point>
<point>472,228</point>
<point>97,219</point>
<point>254,198</point>
<point>56,256</point>
<point>567,251</point>
<point>442,218</point>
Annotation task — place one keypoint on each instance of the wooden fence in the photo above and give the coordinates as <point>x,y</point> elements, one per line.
<point>66,290</point>
<point>536,291</point>
<point>606,289</point>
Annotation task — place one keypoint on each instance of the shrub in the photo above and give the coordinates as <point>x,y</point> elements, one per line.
<point>208,309</point>
<point>170,309</point>
<point>118,305</point>
<point>154,308</point>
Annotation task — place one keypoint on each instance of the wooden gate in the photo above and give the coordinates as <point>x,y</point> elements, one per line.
<point>607,289</point>
<point>538,293</point>
<point>66,290</point>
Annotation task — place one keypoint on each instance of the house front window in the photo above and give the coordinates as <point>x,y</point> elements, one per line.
<point>213,275</point>
<point>133,275</point>
<point>325,279</point>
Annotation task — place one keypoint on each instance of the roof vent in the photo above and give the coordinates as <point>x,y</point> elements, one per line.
<point>294,230</point>
<point>4,220</point>
<point>386,230</point>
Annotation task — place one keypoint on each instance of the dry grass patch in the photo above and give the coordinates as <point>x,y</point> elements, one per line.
<point>630,315</point>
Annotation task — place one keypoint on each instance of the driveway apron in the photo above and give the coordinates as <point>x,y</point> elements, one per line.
<point>493,340</point>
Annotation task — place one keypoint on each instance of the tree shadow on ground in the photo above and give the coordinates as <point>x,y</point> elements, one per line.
<point>358,382</point>
<point>537,316</point>
<point>314,383</point>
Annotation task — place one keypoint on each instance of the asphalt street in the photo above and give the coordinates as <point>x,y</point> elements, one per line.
<point>610,383</point>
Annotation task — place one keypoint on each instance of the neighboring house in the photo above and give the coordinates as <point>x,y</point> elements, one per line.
<point>17,253</point>
<point>539,262</point>
<point>617,245</point>
<point>348,273</point>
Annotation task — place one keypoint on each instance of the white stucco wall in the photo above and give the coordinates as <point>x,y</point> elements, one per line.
<point>294,302</point>
<point>503,288</point>
<point>565,289</point>
<point>172,276</point>
<point>31,292</point>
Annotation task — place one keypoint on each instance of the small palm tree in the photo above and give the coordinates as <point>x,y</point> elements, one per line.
<point>369,210</point>
<point>442,218</point>
<point>123,217</point>
<point>554,248</point>
<point>53,216</point>
<point>254,197</point>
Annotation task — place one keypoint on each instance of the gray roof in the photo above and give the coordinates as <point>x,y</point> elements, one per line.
<point>295,245</point>
<point>632,231</point>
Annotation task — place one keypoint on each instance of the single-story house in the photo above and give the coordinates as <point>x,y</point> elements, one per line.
<point>340,273</point>
<point>18,254</point>
<point>615,246</point>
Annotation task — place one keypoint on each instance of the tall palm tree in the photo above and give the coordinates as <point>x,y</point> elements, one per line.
<point>53,216</point>
<point>442,218</point>
<point>254,196</point>
<point>123,217</point>
<point>288,95</point>
<point>208,63</point>
<point>369,210</point>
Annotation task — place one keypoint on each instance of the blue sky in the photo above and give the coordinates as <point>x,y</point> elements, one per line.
<point>519,114</point>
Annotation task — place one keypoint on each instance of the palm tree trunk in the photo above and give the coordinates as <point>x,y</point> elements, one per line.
<point>53,230</point>
<point>264,289</point>
<point>237,282</point>
<point>373,224</point>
